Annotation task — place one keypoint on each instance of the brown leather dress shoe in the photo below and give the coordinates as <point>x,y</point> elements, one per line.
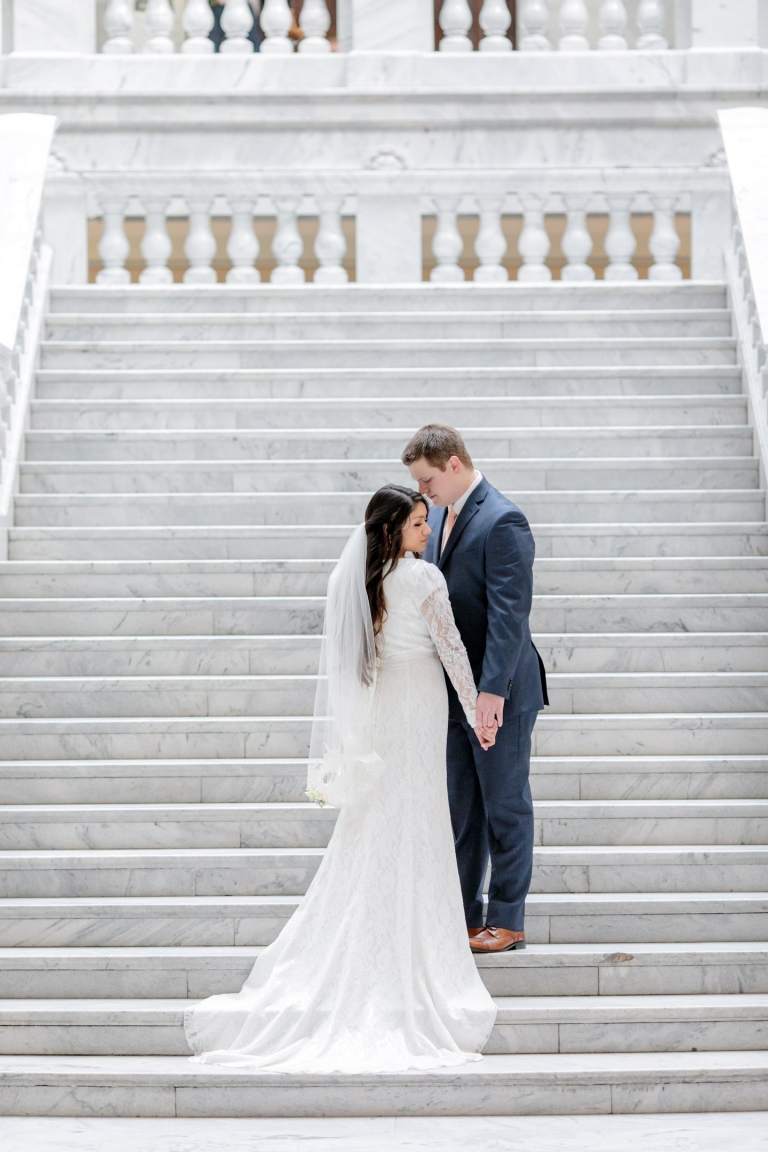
<point>473,933</point>
<point>498,940</point>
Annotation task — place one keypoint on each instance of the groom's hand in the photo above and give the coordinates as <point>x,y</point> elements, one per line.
<point>489,710</point>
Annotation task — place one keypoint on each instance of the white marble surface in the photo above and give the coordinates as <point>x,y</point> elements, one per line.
<point>25,140</point>
<point>745,134</point>
<point>714,1132</point>
<point>61,26</point>
<point>386,25</point>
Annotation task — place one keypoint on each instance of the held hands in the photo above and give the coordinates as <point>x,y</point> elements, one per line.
<point>486,736</point>
<point>489,714</point>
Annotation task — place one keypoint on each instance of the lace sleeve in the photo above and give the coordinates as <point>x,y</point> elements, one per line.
<point>438,615</point>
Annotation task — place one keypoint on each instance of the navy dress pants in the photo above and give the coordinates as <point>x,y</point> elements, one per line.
<point>492,815</point>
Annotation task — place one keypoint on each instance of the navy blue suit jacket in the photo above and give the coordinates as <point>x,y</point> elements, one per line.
<point>488,567</point>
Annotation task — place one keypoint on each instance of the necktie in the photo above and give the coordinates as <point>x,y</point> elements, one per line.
<point>449,523</point>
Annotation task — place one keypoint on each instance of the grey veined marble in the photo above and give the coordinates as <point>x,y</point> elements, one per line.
<point>691,1133</point>
<point>194,460</point>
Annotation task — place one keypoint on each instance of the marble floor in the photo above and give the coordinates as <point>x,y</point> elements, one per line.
<point>713,1132</point>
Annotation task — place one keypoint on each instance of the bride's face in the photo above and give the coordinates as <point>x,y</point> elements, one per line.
<point>416,531</point>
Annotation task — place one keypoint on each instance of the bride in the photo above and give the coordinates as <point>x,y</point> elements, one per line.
<point>373,972</point>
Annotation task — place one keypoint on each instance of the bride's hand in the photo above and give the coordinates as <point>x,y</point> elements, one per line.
<point>486,736</point>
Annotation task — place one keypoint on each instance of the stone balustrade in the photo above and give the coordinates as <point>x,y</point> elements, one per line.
<point>25,142</point>
<point>568,25</point>
<point>372,226</point>
<point>745,135</point>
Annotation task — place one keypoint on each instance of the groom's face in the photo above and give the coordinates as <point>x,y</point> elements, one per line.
<point>441,485</point>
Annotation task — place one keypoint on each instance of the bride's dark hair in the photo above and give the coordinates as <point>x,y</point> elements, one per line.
<point>385,517</point>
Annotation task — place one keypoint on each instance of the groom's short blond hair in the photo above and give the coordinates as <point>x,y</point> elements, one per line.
<point>436,443</point>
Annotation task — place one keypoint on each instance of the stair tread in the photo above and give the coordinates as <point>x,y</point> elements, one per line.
<point>534,955</point>
<point>565,1009</point>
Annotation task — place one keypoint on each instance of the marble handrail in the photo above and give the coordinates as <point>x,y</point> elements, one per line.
<point>745,137</point>
<point>25,142</point>
<point>388,206</point>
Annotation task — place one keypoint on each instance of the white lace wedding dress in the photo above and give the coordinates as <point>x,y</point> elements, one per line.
<point>373,973</point>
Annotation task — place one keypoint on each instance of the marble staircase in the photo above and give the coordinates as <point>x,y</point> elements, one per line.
<point>194,461</point>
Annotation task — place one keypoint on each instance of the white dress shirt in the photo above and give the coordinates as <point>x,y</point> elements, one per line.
<point>458,505</point>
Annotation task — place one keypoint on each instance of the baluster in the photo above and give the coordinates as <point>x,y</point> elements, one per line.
<point>197,22</point>
<point>447,244</point>
<point>243,244</point>
<point>574,18</point>
<point>159,19</point>
<point>533,244</point>
<point>577,242</point>
<point>200,245</point>
<point>612,18</point>
<point>495,19</point>
<point>236,22</point>
<point>455,21</point>
<point>491,243</point>
<point>651,19</point>
<point>287,245</point>
<point>314,22</point>
<point>534,18</point>
<point>7,391</point>
<point>113,246</point>
<point>620,241</point>
<point>276,21</point>
<point>14,376</point>
<point>665,242</point>
<point>118,21</point>
<point>156,243</point>
<point>330,245</point>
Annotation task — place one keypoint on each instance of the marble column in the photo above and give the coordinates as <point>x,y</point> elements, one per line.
<point>386,25</point>
<point>710,231</point>
<point>388,238</point>
<point>65,226</point>
<point>728,24</point>
<point>42,26</point>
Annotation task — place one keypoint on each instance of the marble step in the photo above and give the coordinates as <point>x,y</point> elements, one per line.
<point>650,653</point>
<point>334,415</point>
<point>260,298</point>
<point>418,352</point>
<point>658,440</point>
<point>280,695</point>
<point>162,656</point>
<point>38,873</point>
<point>392,324</point>
<point>645,576</point>
<point>132,509</point>
<point>554,1085</point>
<point>599,1133</point>
<point>533,1024</point>
<point>566,542</point>
<point>280,737</point>
<point>552,576</point>
<point>227,781</point>
<point>205,921</point>
<point>544,1085</point>
<point>558,823</point>
<point>151,656</point>
<point>281,476</point>
<point>624,380</point>
<point>302,615</point>
<point>542,970</point>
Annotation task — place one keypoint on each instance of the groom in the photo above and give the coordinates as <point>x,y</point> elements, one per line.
<point>484,548</point>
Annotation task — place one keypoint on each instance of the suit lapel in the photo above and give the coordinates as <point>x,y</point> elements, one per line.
<point>468,511</point>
